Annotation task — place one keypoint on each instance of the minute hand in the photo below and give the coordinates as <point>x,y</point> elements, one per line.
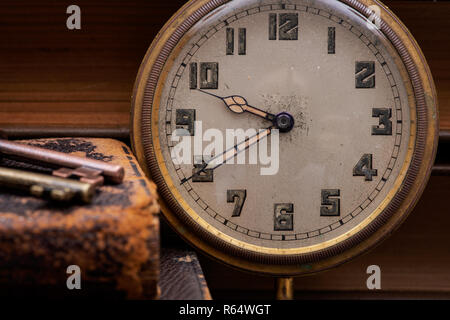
<point>229,154</point>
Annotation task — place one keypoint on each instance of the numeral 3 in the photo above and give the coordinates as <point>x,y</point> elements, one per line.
<point>385,127</point>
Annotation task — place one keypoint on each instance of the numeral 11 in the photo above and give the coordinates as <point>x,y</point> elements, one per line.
<point>242,41</point>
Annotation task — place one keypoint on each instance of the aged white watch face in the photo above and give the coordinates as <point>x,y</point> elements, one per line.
<point>316,65</point>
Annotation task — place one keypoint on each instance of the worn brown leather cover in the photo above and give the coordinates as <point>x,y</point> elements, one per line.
<point>182,276</point>
<point>114,240</point>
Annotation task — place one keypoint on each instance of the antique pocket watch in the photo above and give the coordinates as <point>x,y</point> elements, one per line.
<point>341,88</point>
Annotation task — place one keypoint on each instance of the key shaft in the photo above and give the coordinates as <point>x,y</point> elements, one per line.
<point>46,186</point>
<point>37,155</point>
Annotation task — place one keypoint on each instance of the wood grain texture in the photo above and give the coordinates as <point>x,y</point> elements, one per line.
<point>50,76</point>
<point>80,78</point>
<point>429,22</point>
<point>414,261</point>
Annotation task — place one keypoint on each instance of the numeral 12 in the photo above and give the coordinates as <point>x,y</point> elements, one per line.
<point>283,25</point>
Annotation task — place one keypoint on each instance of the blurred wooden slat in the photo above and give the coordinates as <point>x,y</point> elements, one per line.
<point>54,107</point>
<point>81,119</point>
<point>92,70</point>
<point>50,76</point>
<point>429,22</point>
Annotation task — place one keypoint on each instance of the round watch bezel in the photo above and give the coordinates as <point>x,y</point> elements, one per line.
<point>147,93</point>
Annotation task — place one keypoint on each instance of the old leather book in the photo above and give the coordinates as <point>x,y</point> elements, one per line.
<point>182,276</point>
<point>114,240</point>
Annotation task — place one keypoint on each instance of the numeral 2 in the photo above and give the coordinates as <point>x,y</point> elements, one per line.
<point>284,217</point>
<point>331,207</point>
<point>209,75</point>
<point>238,197</point>
<point>365,74</point>
<point>242,41</point>
<point>287,28</point>
<point>364,168</point>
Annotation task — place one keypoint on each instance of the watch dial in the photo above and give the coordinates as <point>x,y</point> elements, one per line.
<point>318,62</point>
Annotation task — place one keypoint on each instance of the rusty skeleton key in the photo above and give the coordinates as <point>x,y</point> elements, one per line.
<point>66,166</point>
<point>46,186</point>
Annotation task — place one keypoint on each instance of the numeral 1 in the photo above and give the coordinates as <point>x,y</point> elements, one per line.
<point>284,217</point>
<point>364,168</point>
<point>193,71</point>
<point>331,40</point>
<point>238,197</point>
<point>242,41</point>
<point>331,207</point>
<point>286,27</point>
<point>209,75</point>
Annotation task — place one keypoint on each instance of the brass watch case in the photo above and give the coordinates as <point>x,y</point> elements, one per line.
<point>271,261</point>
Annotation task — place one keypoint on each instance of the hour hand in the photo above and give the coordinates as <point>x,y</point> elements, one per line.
<point>239,104</point>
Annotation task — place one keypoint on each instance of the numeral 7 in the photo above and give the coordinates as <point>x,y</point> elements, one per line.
<point>238,197</point>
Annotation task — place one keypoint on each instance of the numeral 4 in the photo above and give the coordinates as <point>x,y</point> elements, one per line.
<point>364,168</point>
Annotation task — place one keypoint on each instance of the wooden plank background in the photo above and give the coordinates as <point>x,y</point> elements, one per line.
<point>53,77</point>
